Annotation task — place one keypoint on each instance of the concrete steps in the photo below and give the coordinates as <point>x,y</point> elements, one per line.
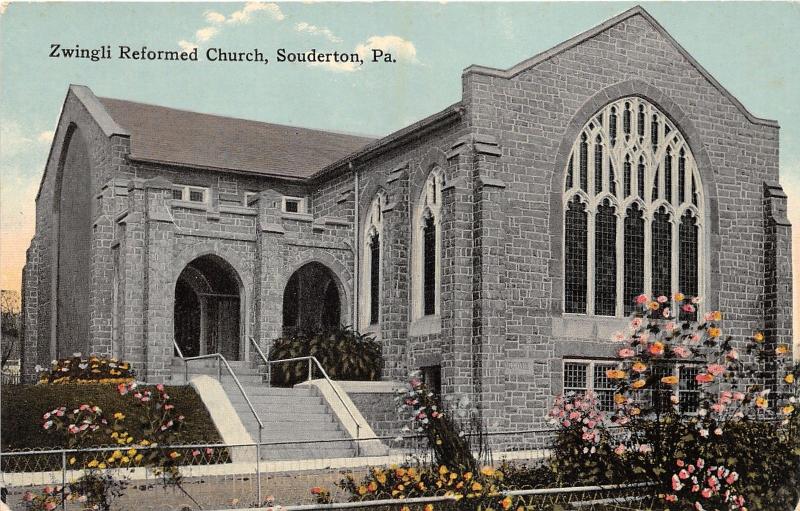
<point>296,419</point>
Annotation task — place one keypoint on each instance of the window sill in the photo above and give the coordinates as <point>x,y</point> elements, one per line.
<point>200,206</point>
<point>300,217</point>
<point>591,328</point>
<point>426,325</point>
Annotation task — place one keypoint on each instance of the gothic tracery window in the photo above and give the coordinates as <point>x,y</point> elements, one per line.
<point>638,230</point>
<point>371,262</point>
<point>426,247</point>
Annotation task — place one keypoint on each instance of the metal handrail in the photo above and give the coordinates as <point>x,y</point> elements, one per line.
<point>221,359</point>
<point>324,375</point>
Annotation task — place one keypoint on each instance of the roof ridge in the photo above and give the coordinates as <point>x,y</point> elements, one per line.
<point>233,118</point>
<point>602,27</point>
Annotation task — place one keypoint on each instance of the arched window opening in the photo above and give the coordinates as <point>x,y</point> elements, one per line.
<point>371,264</point>
<point>427,246</point>
<point>623,239</point>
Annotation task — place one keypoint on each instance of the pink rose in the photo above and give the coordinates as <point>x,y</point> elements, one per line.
<point>706,493</point>
<point>626,353</point>
<point>716,369</point>
<point>642,299</point>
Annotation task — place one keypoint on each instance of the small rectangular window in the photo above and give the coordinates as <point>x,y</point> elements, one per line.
<point>196,195</point>
<point>294,205</point>
<point>432,377</point>
<point>688,389</point>
<point>177,194</point>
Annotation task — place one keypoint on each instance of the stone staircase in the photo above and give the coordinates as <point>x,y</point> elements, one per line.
<point>297,419</point>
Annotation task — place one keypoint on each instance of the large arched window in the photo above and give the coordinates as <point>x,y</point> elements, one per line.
<point>371,263</point>
<point>426,246</point>
<point>633,211</point>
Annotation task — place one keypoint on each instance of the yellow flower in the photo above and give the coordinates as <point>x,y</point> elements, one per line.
<point>362,490</point>
<point>782,349</point>
<point>635,411</point>
<point>639,367</point>
<point>92,464</point>
<point>372,486</point>
<point>506,503</point>
<point>428,507</point>
<point>716,316</point>
<point>125,459</point>
<point>467,476</point>
<point>679,297</point>
<point>653,306</point>
<point>411,471</point>
<point>616,374</point>
<point>714,332</point>
<point>131,452</point>
<point>487,471</point>
<point>138,457</point>
<point>145,442</point>
<point>669,380</point>
<point>758,337</point>
<point>476,486</point>
<point>789,378</point>
<point>638,383</point>
<point>72,460</point>
<point>381,477</point>
<point>174,455</point>
<point>443,470</point>
<point>619,399</point>
<point>761,402</point>
<point>788,409</point>
<point>400,472</point>
<point>117,455</point>
<point>129,439</point>
<point>101,465</point>
<point>119,416</point>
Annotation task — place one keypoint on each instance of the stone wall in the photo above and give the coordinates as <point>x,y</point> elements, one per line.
<point>535,112</point>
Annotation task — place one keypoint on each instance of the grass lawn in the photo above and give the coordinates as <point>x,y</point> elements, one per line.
<point>24,405</point>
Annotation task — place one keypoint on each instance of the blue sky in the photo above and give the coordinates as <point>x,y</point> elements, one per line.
<point>751,48</point>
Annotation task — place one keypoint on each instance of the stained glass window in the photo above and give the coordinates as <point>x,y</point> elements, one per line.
<point>634,257</point>
<point>662,253</point>
<point>687,260</point>
<point>575,257</point>
<point>597,281</point>
<point>605,265</point>
<point>429,265</point>
<point>375,278</point>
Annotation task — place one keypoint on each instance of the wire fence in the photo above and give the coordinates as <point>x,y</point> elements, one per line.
<point>243,476</point>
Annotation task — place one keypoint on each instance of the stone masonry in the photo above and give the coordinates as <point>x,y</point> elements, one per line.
<point>501,333</point>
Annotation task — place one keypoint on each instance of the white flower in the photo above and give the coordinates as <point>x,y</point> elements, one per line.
<point>38,368</point>
<point>77,354</point>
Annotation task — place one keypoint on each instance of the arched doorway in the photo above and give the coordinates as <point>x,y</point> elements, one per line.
<point>311,300</point>
<point>208,308</point>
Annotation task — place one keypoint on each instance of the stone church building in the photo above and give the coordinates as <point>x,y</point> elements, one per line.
<point>497,244</point>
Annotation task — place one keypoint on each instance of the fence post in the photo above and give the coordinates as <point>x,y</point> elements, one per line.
<point>309,369</point>
<point>63,479</point>
<point>219,369</point>
<point>185,372</point>
<point>258,466</point>
<point>358,440</point>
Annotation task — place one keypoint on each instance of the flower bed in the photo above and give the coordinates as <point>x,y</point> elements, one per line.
<point>91,369</point>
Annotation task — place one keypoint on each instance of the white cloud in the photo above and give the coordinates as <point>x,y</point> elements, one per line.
<point>15,140</point>
<point>214,17</point>
<point>45,136</point>
<point>245,14</point>
<point>401,50</point>
<point>315,30</point>
<point>186,45</point>
<point>217,20</point>
<point>205,34</point>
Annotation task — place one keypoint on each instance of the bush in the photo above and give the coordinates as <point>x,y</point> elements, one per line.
<point>343,353</point>
<point>92,369</point>
<point>23,406</point>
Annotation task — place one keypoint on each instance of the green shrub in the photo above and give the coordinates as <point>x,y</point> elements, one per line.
<point>343,353</point>
<point>24,405</point>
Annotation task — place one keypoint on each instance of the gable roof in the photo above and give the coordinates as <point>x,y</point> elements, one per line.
<point>578,39</point>
<point>179,137</point>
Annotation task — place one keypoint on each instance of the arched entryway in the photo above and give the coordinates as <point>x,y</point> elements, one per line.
<point>311,300</point>
<point>208,308</point>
